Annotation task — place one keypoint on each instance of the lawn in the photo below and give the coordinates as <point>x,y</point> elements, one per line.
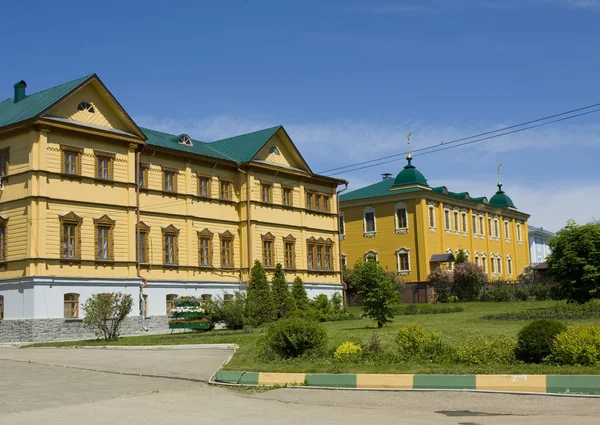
<point>453,328</point>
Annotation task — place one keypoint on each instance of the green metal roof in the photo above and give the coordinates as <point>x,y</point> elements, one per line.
<point>501,199</point>
<point>410,176</point>
<point>35,104</point>
<point>171,141</point>
<point>244,147</point>
<point>376,190</point>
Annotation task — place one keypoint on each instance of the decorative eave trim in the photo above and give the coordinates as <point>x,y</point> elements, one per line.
<point>95,132</point>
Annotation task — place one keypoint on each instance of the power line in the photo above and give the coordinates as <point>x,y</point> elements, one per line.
<point>467,138</point>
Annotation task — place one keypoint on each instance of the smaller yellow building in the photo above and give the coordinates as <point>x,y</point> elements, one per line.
<point>413,228</point>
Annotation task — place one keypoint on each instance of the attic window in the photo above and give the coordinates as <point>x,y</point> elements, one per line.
<point>274,150</point>
<point>184,139</point>
<point>85,106</point>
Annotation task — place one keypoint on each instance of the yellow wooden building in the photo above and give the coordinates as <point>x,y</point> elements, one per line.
<point>79,177</point>
<point>412,228</point>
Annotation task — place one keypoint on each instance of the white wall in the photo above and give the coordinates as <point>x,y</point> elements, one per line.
<point>18,301</point>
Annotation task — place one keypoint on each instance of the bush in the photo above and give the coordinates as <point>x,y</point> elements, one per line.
<point>479,350</point>
<point>321,304</point>
<point>374,347</point>
<point>259,300</point>
<point>453,299</point>
<point>468,281</point>
<point>562,310</point>
<point>540,292</point>
<point>536,340</point>
<point>413,309</point>
<point>337,304</point>
<point>294,336</point>
<point>522,294</point>
<point>500,293</point>
<point>441,282</point>
<point>282,298</point>
<point>230,312</point>
<point>579,345</point>
<point>348,351</point>
<point>299,294</point>
<point>416,342</point>
<point>104,313</point>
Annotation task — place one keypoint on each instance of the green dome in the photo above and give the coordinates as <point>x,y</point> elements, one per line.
<point>501,199</point>
<point>410,176</point>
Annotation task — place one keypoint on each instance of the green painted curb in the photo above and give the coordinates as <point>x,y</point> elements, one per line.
<point>237,377</point>
<point>573,384</point>
<point>445,382</point>
<point>331,380</point>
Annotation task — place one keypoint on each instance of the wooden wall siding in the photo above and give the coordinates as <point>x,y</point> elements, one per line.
<point>16,230</point>
<point>285,156</point>
<point>103,115</point>
<point>19,147</point>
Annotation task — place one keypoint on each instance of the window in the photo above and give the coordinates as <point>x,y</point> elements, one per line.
<point>288,199</point>
<point>274,150</point>
<point>447,220</point>
<point>326,203</point>
<point>401,217</point>
<point>509,265</point>
<point>169,180</point>
<point>370,227</point>
<point>490,228</point>
<point>268,250</point>
<point>474,218</point>
<point>204,186</point>
<point>71,306</point>
<point>496,229</point>
<point>371,255</point>
<point>71,160</point>
<point>519,234</point>
<point>184,139</point>
<point>492,258</point>
<point>266,191</point>
<point>70,227</point>
<point>3,162</point>
<point>319,254</point>
<point>344,261</point>
<point>481,226</point>
<point>465,225</point>
<point>450,263</point>
<point>309,200</point>
<point>289,244</point>
<point>456,222</point>
<point>499,262</point>
<point>205,241</point>
<point>225,189</point>
<point>506,230</point>
<point>104,166</point>
<point>477,262</point>
<point>170,305</point>
<point>431,217</point>
<point>3,223</point>
<point>143,175</point>
<point>342,226</point>
<point>170,245</point>
<point>403,261</point>
<point>226,249</point>
<point>85,106</point>
<point>317,202</point>
<point>1,307</point>
<point>104,238</point>
<point>143,253</point>
<point>484,262</point>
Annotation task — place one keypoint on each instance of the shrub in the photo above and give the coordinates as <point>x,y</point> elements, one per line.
<point>321,304</point>
<point>230,312</point>
<point>374,347</point>
<point>416,342</point>
<point>579,345</point>
<point>299,294</point>
<point>412,309</point>
<point>337,303</point>
<point>310,313</point>
<point>468,280</point>
<point>522,294</point>
<point>441,281</point>
<point>499,293</point>
<point>104,313</point>
<point>453,299</point>
<point>259,300</point>
<point>536,339</point>
<point>294,336</point>
<point>479,350</point>
<point>282,298</point>
<point>348,351</point>
<point>540,292</point>
<point>461,257</point>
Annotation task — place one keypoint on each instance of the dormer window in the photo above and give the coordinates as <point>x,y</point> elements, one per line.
<point>184,139</point>
<point>274,150</point>
<point>85,106</point>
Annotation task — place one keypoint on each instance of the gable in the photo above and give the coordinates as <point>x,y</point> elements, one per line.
<point>282,152</point>
<point>106,111</point>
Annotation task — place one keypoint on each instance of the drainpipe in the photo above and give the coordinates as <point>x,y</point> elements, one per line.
<point>337,199</point>
<point>248,217</point>
<point>138,156</point>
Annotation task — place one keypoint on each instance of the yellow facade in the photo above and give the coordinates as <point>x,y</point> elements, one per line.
<point>40,198</point>
<point>421,241</point>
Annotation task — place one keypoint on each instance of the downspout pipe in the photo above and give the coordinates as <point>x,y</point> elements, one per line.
<point>339,216</point>
<point>248,220</point>
<point>142,303</point>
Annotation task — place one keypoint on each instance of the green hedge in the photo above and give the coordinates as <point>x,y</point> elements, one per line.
<point>562,310</point>
<point>412,309</point>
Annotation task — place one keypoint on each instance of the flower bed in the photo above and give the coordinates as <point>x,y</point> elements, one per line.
<point>188,314</point>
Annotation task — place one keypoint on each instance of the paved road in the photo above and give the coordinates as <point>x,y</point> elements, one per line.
<point>46,392</point>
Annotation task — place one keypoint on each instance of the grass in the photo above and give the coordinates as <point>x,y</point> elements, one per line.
<point>453,328</point>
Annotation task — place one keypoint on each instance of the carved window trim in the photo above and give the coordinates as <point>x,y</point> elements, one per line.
<point>371,253</point>
<point>107,223</point>
<point>401,206</point>
<point>4,162</point>
<point>227,257</point>
<point>143,178</point>
<point>320,254</point>
<point>71,306</point>
<point>170,303</point>
<point>287,196</point>
<point>3,238</point>
<point>266,192</point>
<point>204,180</point>
<point>174,173</point>
<point>509,265</point>
<point>401,254</point>
<point>205,235</point>
<point>70,219</point>
<point>170,231</point>
<point>268,250</point>
<point>431,216</point>
<point>145,248</point>
<point>225,189</point>
<point>78,153</point>
<point>369,233</point>
<point>289,255</point>
<point>109,157</point>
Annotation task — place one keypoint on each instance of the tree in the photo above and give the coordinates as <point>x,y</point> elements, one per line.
<point>441,282</point>
<point>377,290</point>
<point>260,308</point>
<point>284,302</point>
<point>468,281</point>
<point>461,257</point>
<point>299,294</point>
<point>575,261</point>
<point>104,313</point>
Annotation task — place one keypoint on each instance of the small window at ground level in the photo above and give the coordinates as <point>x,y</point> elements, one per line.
<point>71,306</point>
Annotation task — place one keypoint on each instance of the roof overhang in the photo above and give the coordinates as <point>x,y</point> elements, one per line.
<point>442,258</point>
<point>89,129</point>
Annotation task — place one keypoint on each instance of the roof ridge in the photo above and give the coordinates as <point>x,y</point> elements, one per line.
<point>249,133</point>
<point>60,85</point>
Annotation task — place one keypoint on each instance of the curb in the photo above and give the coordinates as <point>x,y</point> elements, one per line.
<point>155,347</point>
<point>532,384</point>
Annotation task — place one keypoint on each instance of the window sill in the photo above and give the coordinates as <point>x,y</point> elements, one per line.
<point>226,201</point>
<point>70,260</point>
<point>402,230</point>
<point>370,234</point>
<point>170,266</point>
<point>206,266</point>
<point>432,229</point>
<point>404,273</point>
<point>71,176</point>
<point>105,182</point>
<point>101,262</point>
<point>342,237</point>
<point>448,232</point>
<point>169,193</point>
<point>465,234</point>
<point>321,271</point>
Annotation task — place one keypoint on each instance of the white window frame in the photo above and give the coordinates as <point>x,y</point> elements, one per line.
<point>447,220</point>
<point>342,220</point>
<point>431,214</point>
<point>481,218</point>
<point>464,223</point>
<point>477,259</point>
<point>496,228</point>
<point>402,251</point>
<point>499,265</point>
<point>374,232</point>
<point>456,221</point>
<point>475,224</point>
<point>398,206</point>
<point>506,230</point>
<point>344,260</point>
<point>509,265</point>
<point>519,233</point>
<point>484,262</point>
<point>373,253</point>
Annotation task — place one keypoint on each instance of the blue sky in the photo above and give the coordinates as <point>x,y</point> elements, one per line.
<point>348,80</point>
